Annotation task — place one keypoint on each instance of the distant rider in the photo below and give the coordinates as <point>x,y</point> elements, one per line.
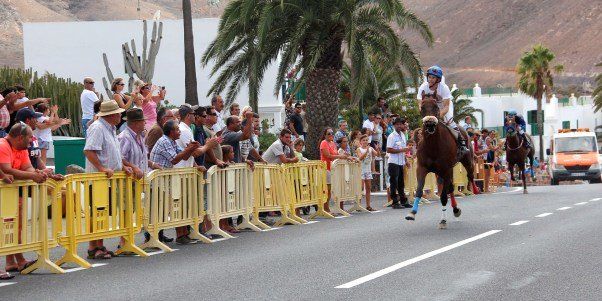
<point>520,126</point>
<point>434,88</point>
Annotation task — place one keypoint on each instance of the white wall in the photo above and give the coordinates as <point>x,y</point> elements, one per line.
<point>74,50</point>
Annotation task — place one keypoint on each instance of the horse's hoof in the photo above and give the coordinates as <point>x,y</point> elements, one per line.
<point>457,212</point>
<point>525,192</point>
<point>443,224</point>
<point>411,217</point>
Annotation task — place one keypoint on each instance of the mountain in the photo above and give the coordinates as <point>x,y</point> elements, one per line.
<point>475,40</point>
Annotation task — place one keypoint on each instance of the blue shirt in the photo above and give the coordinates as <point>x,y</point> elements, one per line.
<point>164,151</point>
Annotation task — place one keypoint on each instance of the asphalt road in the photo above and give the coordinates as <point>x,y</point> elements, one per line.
<point>372,256</point>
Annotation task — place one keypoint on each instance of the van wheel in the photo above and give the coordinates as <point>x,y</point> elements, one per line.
<point>553,181</point>
<point>595,181</point>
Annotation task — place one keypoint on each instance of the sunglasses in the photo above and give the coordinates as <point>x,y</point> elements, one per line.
<point>91,83</point>
<point>145,88</point>
<point>328,133</point>
<point>122,84</point>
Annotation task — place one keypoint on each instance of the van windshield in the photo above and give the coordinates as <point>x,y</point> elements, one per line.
<point>576,145</point>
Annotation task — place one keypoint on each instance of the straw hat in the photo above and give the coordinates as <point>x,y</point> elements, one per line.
<point>108,108</point>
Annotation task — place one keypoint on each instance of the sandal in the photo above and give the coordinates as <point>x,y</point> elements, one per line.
<point>97,253</point>
<point>6,276</point>
<point>370,209</point>
<point>111,253</point>
<point>26,265</point>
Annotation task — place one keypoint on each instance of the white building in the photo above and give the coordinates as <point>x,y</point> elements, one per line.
<point>577,113</point>
<point>74,50</point>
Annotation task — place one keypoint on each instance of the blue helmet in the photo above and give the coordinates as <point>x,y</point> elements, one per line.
<point>435,71</point>
<point>512,113</point>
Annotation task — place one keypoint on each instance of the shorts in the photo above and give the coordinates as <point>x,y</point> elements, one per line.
<point>367,175</point>
<point>44,144</point>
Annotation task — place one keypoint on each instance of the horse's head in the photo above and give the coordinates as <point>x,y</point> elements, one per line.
<point>510,130</point>
<point>429,111</point>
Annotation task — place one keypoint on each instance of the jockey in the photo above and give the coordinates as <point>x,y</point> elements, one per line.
<point>435,87</point>
<point>521,125</point>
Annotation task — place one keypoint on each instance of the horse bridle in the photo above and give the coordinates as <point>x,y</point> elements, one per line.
<point>512,134</point>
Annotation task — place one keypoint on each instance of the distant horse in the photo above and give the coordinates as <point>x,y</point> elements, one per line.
<point>437,152</point>
<point>516,153</point>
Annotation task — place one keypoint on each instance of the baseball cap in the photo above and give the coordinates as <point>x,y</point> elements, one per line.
<point>27,113</point>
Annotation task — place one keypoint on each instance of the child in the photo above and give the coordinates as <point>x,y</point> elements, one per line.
<point>49,122</point>
<point>299,144</point>
<point>228,155</point>
<point>365,154</point>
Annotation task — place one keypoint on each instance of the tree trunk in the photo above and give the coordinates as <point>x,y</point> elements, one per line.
<point>540,126</point>
<point>322,107</point>
<point>190,82</point>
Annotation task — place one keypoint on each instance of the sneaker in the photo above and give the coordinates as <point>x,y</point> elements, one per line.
<point>397,206</point>
<point>407,205</point>
<point>183,240</point>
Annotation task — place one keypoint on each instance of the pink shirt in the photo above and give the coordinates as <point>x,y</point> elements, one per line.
<point>329,147</point>
<point>149,109</point>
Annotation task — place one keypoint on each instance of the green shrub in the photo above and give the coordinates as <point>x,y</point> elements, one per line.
<point>265,140</point>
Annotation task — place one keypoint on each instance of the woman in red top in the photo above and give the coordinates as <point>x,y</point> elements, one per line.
<point>329,153</point>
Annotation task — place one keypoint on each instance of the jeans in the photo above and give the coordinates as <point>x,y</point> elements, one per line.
<point>85,126</point>
<point>396,183</point>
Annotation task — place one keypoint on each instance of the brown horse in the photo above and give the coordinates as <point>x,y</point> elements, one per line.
<point>437,153</point>
<point>516,153</point>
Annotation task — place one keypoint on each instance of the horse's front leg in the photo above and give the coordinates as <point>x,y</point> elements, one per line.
<point>447,188</point>
<point>421,173</point>
<point>511,170</point>
<point>521,167</point>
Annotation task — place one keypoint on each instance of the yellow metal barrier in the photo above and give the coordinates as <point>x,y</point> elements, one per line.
<point>409,180</point>
<point>306,186</point>
<point>269,194</point>
<point>230,194</point>
<point>460,181</point>
<point>346,183</point>
<point>173,198</point>
<point>98,207</point>
<point>24,224</point>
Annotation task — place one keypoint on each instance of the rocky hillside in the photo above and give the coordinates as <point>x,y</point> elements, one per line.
<point>476,40</point>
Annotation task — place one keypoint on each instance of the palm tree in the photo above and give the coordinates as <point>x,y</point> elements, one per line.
<point>598,91</point>
<point>535,79</point>
<point>190,82</point>
<point>310,34</point>
<point>462,107</point>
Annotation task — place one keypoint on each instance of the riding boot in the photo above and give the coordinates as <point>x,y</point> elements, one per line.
<point>462,147</point>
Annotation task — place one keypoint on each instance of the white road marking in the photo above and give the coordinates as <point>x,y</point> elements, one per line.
<point>342,216</point>
<point>80,268</point>
<point>595,200</point>
<point>7,283</point>
<point>563,208</point>
<point>581,203</point>
<point>271,229</point>
<point>376,211</point>
<point>544,214</point>
<point>158,252</point>
<point>222,239</point>
<point>408,262</point>
<point>511,191</point>
<point>311,222</point>
<point>519,223</point>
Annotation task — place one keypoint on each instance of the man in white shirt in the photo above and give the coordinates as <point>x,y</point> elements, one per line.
<point>396,148</point>
<point>369,126</point>
<point>186,137</point>
<point>218,103</point>
<point>87,99</point>
<point>435,88</point>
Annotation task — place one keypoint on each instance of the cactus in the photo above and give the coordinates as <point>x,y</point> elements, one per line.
<point>143,68</point>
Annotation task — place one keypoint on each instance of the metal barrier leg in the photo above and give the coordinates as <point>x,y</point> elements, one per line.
<point>337,208</point>
<point>154,242</point>
<point>357,206</point>
<point>246,224</point>
<point>321,212</point>
<point>72,257</point>
<point>295,217</point>
<point>285,219</point>
<point>216,230</point>
<point>195,234</point>
<point>258,222</point>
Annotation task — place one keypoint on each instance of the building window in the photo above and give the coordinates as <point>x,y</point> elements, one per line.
<point>566,124</point>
